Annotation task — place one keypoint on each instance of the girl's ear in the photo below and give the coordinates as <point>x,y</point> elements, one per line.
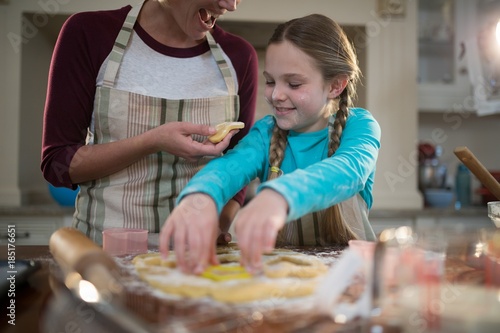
<point>337,85</point>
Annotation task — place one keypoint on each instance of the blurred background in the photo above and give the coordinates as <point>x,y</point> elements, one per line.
<point>431,78</point>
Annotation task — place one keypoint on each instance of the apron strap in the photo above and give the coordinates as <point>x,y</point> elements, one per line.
<point>221,62</point>
<point>116,55</point>
<point>121,42</point>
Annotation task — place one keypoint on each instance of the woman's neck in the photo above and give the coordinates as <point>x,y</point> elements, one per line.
<point>157,20</point>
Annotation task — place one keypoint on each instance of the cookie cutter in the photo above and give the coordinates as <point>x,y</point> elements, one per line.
<point>224,273</point>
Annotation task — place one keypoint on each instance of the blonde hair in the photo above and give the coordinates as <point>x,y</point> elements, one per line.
<point>325,41</point>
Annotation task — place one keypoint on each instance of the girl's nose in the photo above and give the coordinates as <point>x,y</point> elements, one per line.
<point>277,95</point>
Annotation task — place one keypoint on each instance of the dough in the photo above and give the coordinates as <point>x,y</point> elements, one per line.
<point>286,274</point>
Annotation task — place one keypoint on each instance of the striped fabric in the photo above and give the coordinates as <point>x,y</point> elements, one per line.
<point>143,194</point>
<point>306,231</point>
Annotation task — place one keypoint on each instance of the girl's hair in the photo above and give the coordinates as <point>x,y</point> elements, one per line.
<point>324,41</point>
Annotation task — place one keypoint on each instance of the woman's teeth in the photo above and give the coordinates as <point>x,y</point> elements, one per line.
<point>207,17</point>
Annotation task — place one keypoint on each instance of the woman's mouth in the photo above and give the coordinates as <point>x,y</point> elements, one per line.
<point>208,17</point>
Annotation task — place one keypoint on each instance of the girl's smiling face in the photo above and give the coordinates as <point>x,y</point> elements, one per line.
<point>295,89</point>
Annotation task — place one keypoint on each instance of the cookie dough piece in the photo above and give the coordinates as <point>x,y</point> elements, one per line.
<point>223,129</point>
<point>299,266</point>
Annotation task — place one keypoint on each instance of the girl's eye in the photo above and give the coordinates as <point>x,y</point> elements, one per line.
<point>294,85</point>
<point>269,83</point>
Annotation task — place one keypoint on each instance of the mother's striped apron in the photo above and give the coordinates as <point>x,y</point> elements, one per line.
<point>143,194</point>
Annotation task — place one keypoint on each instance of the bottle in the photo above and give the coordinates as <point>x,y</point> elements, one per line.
<point>462,187</point>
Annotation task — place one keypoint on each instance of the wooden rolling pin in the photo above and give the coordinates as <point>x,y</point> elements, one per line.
<point>74,252</point>
<point>484,176</point>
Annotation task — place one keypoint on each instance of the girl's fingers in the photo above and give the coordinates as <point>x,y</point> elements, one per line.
<point>165,239</point>
<point>199,258</point>
<point>242,237</point>
<point>180,247</point>
<point>270,240</point>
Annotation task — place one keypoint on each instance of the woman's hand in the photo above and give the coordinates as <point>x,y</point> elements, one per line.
<point>176,139</point>
<point>257,225</point>
<point>194,226</point>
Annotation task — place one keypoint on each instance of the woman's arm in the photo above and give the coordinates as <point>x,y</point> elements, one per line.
<point>83,44</point>
<point>97,161</point>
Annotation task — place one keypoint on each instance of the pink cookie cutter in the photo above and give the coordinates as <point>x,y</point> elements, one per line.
<point>120,241</point>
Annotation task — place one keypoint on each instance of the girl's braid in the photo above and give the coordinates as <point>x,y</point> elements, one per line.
<point>277,151</point>
<point>333,227</point>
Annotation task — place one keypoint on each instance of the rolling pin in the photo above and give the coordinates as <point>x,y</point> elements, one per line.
<point>74,252</point>
<point>484,176</point>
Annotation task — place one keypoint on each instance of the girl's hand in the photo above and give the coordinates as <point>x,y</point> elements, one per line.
<point>257,225</point>
<point>194,226</point>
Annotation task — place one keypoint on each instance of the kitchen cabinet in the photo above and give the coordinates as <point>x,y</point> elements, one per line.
<point>483,53</point>
<point>33,225</point>
<point>443,79</point>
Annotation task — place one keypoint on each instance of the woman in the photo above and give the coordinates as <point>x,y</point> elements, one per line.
<point>317,153</point>
<point>133,93</point>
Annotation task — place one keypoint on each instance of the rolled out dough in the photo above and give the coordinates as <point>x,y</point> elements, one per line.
<point>286,274</point>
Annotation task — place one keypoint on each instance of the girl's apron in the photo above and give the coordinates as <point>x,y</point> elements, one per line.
<point>143,194</point>
<point>306,230</point>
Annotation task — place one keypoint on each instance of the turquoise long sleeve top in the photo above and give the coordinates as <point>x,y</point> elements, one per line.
<point>312,181</point>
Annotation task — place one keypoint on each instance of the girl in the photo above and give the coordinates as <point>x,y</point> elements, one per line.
<point>317,153</point>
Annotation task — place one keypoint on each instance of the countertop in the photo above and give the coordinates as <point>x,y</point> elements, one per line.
<point>471,211</point>
<point>29,297</point>
<point>43,296</point>
<point>43,290</point>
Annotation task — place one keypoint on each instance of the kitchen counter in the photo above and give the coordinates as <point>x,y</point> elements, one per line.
<point>474,217</point>
<point>44,290</point>
<point>41,291</point>
<point>31,296</point>
<point>472,211</point>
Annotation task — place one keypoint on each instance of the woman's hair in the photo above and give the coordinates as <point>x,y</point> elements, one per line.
<point>324,41</point>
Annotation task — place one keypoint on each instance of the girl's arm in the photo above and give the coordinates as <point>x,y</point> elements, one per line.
<point>224,176</point>
<point>335,179</point>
